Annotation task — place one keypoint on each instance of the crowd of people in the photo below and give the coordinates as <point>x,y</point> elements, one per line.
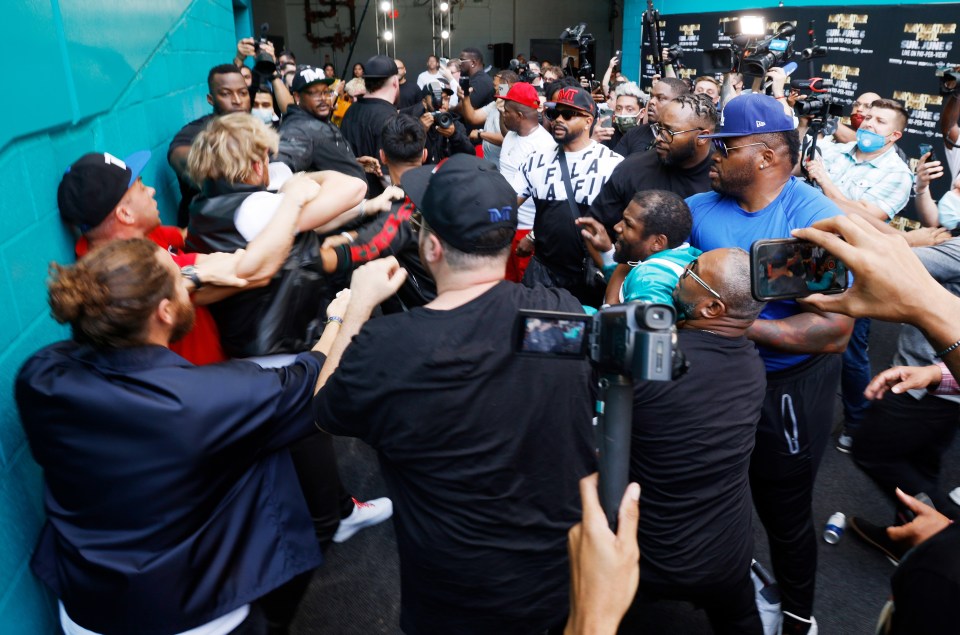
<point>349,259</point>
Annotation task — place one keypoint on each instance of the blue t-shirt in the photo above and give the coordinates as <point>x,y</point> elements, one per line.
<point>718,221</point>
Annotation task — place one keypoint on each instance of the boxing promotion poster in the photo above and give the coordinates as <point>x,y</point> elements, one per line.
<point>893,51</point>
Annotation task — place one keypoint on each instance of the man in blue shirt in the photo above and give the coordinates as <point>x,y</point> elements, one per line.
<point>755,197</point>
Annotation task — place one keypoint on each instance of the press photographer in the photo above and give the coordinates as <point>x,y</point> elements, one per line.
<point>446,135</point>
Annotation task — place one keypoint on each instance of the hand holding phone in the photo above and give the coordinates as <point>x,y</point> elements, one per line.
<point>784,269</point>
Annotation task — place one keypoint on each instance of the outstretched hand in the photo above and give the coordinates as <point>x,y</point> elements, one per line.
<point>872,255</point>
<point>900,379</point>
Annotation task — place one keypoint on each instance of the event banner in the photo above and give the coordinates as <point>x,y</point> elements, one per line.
<point>890,50</point>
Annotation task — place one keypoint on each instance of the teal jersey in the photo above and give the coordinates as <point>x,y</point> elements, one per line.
<point>654,279</point>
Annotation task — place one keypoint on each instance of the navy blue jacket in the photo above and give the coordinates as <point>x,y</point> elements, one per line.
<point>170,499</point>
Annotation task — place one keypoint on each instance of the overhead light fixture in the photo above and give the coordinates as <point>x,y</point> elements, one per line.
<point>385,6</point>
<point>444,6</point>
<point>444,34</point>
<point>387,35</point>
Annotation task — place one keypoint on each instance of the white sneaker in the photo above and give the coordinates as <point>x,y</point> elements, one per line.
<point>363,515</point>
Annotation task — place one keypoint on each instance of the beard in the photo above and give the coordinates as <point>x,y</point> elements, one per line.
<point>185,317</point>
<point>566,137</point>
<point>622,253</point>
<point>678,155</point>
<point>732,182</point>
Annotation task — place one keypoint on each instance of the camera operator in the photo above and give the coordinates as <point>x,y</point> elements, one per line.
<point>695,535</point>
<point>446,135</point>
<point>484,469</point>
<point>756,197</point>
<point>641,138</point>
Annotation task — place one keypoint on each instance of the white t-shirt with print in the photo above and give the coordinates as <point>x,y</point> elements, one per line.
<point>513,153</point>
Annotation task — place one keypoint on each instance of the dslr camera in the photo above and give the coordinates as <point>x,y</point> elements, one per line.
<point>442,119</point>
<point>262,62</point>
<point>636,340</point>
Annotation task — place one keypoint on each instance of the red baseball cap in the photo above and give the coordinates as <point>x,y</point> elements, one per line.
<point>524,94</point>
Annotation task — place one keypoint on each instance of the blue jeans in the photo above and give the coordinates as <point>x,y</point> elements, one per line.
<point>856,375</point>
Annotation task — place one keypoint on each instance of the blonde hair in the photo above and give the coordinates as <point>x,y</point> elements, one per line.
<point>228,146</point>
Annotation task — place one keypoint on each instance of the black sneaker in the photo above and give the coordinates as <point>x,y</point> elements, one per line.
<point>877,538</point>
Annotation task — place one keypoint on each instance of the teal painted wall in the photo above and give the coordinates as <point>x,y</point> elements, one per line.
<point>633,17</point>
<point>111,75</point>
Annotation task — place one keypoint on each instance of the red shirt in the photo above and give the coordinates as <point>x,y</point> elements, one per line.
<point>202,344</point>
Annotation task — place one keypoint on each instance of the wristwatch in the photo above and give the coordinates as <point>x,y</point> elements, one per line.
<point>191,273</point>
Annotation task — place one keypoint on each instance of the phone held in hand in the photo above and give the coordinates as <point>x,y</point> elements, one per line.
<point>789,268</point>
<point>924,149</point>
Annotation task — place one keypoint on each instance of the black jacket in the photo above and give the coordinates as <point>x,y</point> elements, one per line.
<point>308,144</point>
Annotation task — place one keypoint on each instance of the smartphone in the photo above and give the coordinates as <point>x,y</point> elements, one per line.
<point>783,269</point>
<point>465,85</point>
<point>502,90</point>
<point>925,148</point>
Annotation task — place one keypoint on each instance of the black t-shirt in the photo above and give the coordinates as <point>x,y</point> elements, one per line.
<point>926,586</point>
<point>481,450</point>
<point>690,451</point>
<point>362,126</point>
<point>481,90</point>
<point>187,190</point>
<point>645,171</point>
<point>638,139</point>
<point>409,94</point>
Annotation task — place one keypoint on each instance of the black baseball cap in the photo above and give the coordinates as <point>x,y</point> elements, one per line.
<point>308,76</point>
<point>94,184</point>
<point>380,66</point>
<point>462,198</point>
<point>574,97</point>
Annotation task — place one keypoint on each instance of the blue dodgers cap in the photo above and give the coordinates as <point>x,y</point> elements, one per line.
<point>752,113</point>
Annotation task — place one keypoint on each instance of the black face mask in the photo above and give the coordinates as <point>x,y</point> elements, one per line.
<point>625,122</point>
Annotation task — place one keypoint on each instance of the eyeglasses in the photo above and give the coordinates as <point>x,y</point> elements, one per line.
<point>555,113</point>
<point>725,149</point>
<point>688,272</point>
<point>666,133</point>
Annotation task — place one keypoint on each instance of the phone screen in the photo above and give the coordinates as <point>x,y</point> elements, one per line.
<point>791,268</point>
<point>925,148</point>
<point>502,90</point>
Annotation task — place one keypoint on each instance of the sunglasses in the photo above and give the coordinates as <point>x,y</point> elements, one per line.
<point>666,133</point>
<point>416,221</point>
<point>725,149</point>
<point>688,272</point>
<point>568,114</point>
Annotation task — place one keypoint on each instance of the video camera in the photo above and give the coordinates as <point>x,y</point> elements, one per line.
<point>263,63</point>
<point>577,35</point>
<point>442,119</point>
<point>623,342</point>
<point>819,104</point>
<point>637,340</point>
<point>746,52</point>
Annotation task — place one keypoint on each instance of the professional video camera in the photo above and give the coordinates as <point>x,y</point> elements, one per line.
<point>946,75</point>
<point>442,119</point>
<point>577,35</point>
<point>263,63</point>
<point>818,106</point>
<point>623,342</point>
<point>746,52</point>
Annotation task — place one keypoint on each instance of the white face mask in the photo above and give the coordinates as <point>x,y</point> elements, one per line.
<point>949,209</point>
<point>265,115</point>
